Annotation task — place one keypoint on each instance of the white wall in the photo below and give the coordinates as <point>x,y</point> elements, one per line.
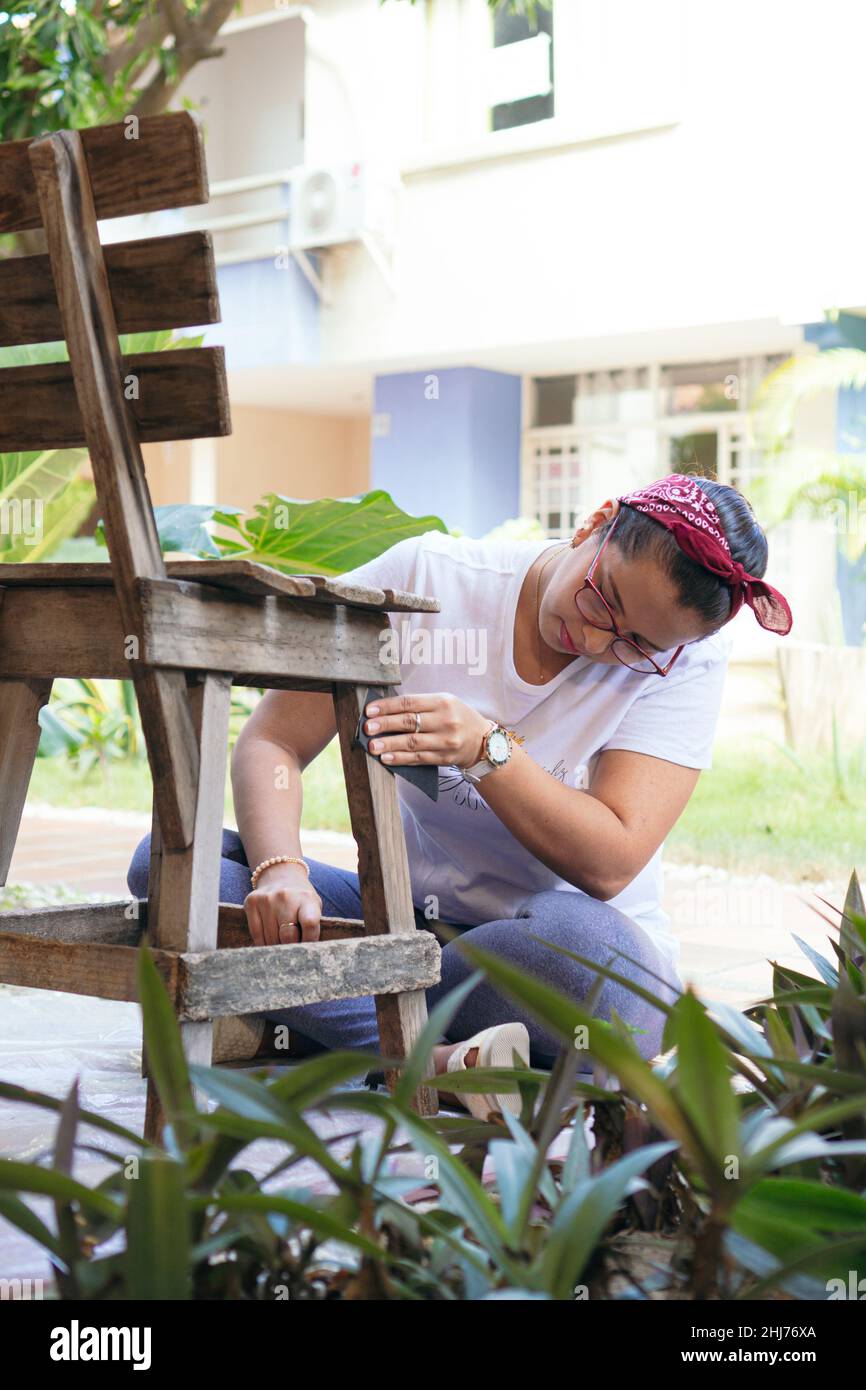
<point>749,208</point>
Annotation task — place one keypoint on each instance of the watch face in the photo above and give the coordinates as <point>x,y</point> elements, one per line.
<point>497,747</point>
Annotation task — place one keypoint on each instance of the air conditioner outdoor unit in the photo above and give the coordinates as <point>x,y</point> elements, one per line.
<point>327,205</point>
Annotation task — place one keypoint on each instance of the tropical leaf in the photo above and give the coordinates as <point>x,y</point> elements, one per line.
<point>164,1051</point>
<point>703,1078</point>
<point>328,536</point>
<point>799,379</point>
<point>157,1256</point>
<point>583,1216</point>
<point>60,520</point>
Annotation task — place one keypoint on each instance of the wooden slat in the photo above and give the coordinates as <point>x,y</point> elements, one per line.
<point>181,394</point>
<point>188,890</point>
<point>20,703</point>
<point>123,923</point>
<point>196,627</point>
<point>383,873</point>
<point>102,972</point>
<point>183,884</point>
<point>261,978</point>
<point>239,576</point>
<point>159,282</point>
<point>164,167</point>
<point>213,984</point>
<point>66,204</point>
<point>271,642</point>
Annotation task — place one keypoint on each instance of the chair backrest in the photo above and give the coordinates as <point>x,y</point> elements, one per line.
<point>87,294</point>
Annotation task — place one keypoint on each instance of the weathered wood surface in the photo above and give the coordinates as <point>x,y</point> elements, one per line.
<point>164,167</point>
<point>183,883</point>
<point>180,394</point>
<point>199,628</point>
<point>156,283</point>
<point>182,913</point>
<point>261,978</point>
<point>212,984</point>
<point>238,576</point>
<point>68,214</point>
<point>102,972</point>
<point>123,923</point>
<point>20,703</point>
<point>383,872</point>
<point>268,642</point>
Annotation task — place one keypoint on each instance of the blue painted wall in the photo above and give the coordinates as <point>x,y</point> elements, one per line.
<point>849,330</point>
<point>448,442</point>
<point>270,314</point>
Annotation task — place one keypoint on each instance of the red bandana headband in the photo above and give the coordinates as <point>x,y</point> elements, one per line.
<point>684,509</point>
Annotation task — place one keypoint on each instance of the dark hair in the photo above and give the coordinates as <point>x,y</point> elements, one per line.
<point>638,534</point>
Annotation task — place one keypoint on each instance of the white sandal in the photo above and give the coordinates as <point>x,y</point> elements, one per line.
<point>496,1047</point>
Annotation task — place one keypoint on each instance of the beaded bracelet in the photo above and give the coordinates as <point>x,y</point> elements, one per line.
<point>277,859</point>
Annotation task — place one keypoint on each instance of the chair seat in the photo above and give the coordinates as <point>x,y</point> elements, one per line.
<point>241,576</point>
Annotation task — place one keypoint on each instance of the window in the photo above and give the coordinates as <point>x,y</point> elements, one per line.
<point>521,69</point>
<point>554,400</point>
<point>700,386</point>
<point>597,434</point>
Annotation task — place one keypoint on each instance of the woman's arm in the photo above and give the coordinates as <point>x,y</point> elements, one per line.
<point>597,839</point>
<point>285,732</point>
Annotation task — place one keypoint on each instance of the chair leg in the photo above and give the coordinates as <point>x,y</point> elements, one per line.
<point>183,886</point>
<point>20,703</point>
<point>383,872</point>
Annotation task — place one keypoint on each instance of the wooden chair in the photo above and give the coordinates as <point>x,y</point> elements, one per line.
<point>183,632</point>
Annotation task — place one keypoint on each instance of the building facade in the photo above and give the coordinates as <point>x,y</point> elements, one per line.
<point>508,269</point>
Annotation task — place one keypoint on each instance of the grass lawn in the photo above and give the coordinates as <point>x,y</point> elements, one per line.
<point>755,811</point>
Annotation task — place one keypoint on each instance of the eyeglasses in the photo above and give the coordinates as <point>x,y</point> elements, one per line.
<point>594,609</point>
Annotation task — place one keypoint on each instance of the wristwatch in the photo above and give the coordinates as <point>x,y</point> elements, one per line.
<point>497,751</point>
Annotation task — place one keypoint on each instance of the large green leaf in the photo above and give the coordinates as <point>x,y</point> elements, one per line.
<point>164,1051</point>
<point>180,528</point>
<point>583,1216</point>
<point>563,1016</point>
<point>328,536</point>
<point>703,1078</point>
<point>61,519</point>
<point>157,1254</point>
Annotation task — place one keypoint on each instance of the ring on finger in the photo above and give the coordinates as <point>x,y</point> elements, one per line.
<point>280,925</point>
<point>417,722</point>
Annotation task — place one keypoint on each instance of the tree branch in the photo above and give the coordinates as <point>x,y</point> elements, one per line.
<point>149,33</point>
<point>197,46</point>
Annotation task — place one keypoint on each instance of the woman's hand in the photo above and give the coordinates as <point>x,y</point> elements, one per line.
<point>450,731</point>
<point>283,895</point>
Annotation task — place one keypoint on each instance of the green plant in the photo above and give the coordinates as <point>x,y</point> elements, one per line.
<point>327,536</point>
<point>800,1060</point>
<point>194,1226</point>
<point>43,499</point>
<point>807,481</point>
<point>85,64</point>
<point>91,722</point>
<point>740,1154</point>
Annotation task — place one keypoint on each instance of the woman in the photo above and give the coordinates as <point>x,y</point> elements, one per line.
<point>567,748</point>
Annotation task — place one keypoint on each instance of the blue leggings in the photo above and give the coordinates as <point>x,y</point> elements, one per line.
<point>579,923</point>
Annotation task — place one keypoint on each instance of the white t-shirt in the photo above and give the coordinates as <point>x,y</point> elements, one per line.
<point>459,851</point>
